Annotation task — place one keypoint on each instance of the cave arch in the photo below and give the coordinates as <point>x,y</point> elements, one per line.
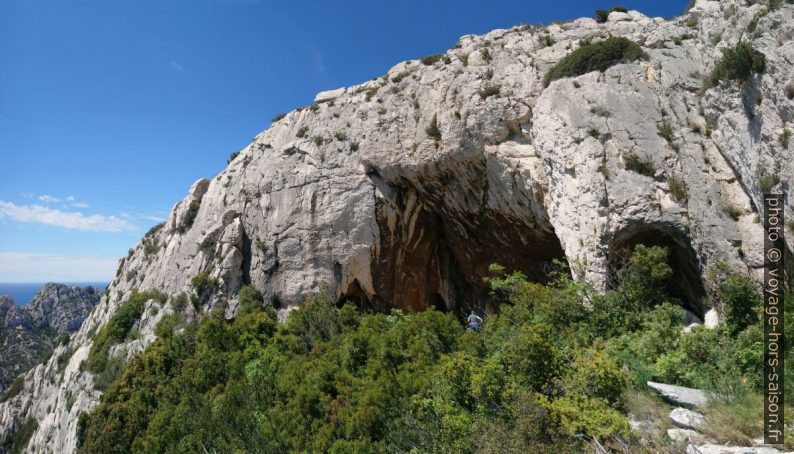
<point>438,236</point>
<point>687,281</point>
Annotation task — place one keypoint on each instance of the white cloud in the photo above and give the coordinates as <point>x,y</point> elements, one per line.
<point>70,198</point>
<point>177,67</point>
<point>80,205</point>
<point>48,198</point>
<point>33,267</point>
<point>75,220</point>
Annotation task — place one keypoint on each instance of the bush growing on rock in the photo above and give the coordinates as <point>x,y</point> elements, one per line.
<point>190,216</point>
<point>738,63</point>
<point>114,332</point>
<point>636,164</point>
<point>595,57</point>
<point>601,15</point>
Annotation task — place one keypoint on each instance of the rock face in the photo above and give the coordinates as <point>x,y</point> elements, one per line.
<point>680,395</point>
<point>400,192</point>
<point>28,332</point>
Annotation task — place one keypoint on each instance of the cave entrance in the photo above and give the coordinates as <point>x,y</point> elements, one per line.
<point>434,253</point>
<point>686,283</point>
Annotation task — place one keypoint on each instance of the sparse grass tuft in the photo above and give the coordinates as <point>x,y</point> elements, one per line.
<point>732,210</point>
<point>737,421</point>
<point>677,188</point>
<point>636,164</point>
<point>784,138</point>
<point>665,131</point>
<point>431,59</point>
<point>489,90</point>
<point>767,181</point>
<point>432,129</point>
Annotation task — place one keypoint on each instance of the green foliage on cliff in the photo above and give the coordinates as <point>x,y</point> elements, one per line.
<point>115,331</point>
<point>737,63</point>
<point>595,57</point>
<point>551,371</point>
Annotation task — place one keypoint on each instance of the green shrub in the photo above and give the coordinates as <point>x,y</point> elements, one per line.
<point>740,301</point>
<point>249,298</point>
<point>595,57</point>
<point>738,63</point>
<point>203,287</point>
<point>232,157</point>
<point>165,327</point>
<point>16,387</point>
<point>399,77</point>
<point>789,90</point>
<point>785,136</point>
<point>486,54</point>
<point>340,136</point>
<point>431,59</point>
<point>732,210</point>
<point>115,331</point>
<point>432,129</point>
<point>665,131</point>
<point>636,164</point>
<point>489,90</point>
<point>261,245</point>
<point>190,216</point>
<point>318,140</point>
<point>677,188</point>
<point>180,301</point>
<point>602,15</point>
<point>302,131</point>
<point>767,181</point>
<point>19,440</point>
<point>150,246</point>
<point>278,117</point>
<point>153,231</point>
<point>353,146</point>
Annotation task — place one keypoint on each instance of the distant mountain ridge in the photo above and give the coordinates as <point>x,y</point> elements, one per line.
<point>30,332</point>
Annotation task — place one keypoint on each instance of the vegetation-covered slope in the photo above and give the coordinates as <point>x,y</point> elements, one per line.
<point>561,364</point>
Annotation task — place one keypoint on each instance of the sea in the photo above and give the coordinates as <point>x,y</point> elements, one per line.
<point>22,293</point>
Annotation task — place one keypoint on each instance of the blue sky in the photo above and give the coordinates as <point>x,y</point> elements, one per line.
<point>109,110</point>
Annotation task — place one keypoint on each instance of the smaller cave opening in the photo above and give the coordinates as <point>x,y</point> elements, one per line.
<point>686,283</point>
<point>439,303</point>
<point>355,294</point>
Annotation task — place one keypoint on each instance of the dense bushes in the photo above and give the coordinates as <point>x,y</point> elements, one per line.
<point>595,57</point>
<point>114,332</point>
<point>548,373</point>
<point>737,63</point>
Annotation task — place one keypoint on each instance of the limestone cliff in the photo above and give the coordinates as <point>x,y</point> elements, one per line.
<point>400,191</point>
<point>29,332</point>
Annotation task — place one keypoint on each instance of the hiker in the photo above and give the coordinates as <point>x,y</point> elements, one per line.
<point>474,322</point>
